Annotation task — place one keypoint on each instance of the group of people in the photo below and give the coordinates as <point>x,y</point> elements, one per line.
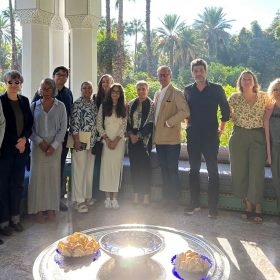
<point>95,127</point>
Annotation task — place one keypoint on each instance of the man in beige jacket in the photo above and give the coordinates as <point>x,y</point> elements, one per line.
<point>171,109</point>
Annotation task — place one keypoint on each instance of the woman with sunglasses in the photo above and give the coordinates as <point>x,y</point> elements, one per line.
<point>13,152</point>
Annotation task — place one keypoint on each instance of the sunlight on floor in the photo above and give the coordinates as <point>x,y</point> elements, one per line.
<point>260,260</point>
<point>228,251</point>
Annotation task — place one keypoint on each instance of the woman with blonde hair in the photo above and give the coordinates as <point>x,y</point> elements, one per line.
<point>247,144</point>
<point>272,133</point>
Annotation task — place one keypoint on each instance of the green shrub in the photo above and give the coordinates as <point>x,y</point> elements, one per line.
<point>226,135</point>
<point>2,88</point>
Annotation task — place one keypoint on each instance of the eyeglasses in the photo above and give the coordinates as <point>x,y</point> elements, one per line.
<point>14,82</point>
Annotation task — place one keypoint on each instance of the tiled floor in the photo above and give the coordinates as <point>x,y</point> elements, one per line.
<point>253,250</point>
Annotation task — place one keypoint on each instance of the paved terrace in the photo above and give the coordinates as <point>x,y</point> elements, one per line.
<point>252,249</point>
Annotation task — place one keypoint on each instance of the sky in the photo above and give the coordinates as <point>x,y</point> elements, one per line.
<point>243,12</point>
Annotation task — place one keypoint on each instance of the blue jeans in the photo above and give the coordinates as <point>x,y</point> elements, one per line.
<point>208,147</point>
<point>168,156</point>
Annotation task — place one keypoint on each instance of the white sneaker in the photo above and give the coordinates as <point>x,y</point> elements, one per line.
<point>108,203</point>
<point>115,204</point>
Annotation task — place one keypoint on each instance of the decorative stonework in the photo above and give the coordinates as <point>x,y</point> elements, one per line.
<point>57,23</point>
<point>34,16</point>
<point>83,21</point>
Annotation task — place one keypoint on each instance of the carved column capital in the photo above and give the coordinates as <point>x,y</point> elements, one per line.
<point>35,16</point>
<point>82,21</point>
<point>57,23</point>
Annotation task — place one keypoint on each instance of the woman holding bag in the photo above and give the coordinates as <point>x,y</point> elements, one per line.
<point>83,119</point>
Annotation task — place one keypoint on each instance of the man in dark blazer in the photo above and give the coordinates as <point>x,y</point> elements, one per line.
<point>171,109</point>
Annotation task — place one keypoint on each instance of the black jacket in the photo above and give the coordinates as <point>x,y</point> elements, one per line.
<point>10,136</point>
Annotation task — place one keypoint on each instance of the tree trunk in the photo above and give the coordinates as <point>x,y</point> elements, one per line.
<point>135,50</point>
<point>15,64</point>
<point>120,45</point>
<point>109,65</point>
<point>148,39</point>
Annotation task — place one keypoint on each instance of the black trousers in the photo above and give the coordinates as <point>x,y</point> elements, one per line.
<point>209,148</point>
<point>12,170</point>
<point>64,153</point>
<point>140,167</point>
<point>168,156</point>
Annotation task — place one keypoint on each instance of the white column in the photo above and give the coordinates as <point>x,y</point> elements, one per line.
<point>59,38</point>
<point>83,18</point>
<point>35,37</point>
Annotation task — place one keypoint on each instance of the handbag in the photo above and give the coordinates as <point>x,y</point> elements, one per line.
<point>84,139</point>
<point>97,148</point>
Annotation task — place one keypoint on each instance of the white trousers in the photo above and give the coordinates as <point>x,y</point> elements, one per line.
<point>82,165</point>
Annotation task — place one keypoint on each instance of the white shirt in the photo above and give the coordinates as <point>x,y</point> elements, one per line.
<point>159,101</point>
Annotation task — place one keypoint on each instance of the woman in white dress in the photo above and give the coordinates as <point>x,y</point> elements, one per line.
<point>111,125</point>
<point>49,128</point>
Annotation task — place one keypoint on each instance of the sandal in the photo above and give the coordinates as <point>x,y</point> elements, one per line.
<point>246,215</point>
<point>82,208</point>
<point>258,218</point>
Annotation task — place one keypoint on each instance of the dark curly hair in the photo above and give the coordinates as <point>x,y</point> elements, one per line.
<point>108,103</point>
<point>100,96</point>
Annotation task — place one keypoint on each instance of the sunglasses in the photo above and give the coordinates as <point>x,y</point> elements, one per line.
<point>14,82</point>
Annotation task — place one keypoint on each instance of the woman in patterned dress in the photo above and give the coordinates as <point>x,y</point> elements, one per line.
<point>111,125</point>
<point>247,144</point>
<point>83,119</point>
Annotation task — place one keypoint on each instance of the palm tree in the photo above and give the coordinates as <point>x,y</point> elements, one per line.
<point>133,28</point>
<point>148,38</point>
<point>212,25</point>
<point>169,36</point>
<point>5,34</point>
<point>109,64</point>
<point>120,43</point>
<point>15,63</point>
<point>187,46</point>
<point>5,39</point>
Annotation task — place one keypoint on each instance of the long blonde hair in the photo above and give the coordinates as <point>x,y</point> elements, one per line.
<point>274,84</point>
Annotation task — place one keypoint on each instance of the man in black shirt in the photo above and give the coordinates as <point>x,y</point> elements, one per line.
<point>60,76</point>
<point>203,133</point>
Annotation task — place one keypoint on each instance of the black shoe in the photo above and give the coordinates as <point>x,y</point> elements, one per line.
<point>1,242</point>
<point>191,209</point>
<point>62,206</point>
<point>213,214</point>
<point>7,231</point>
<point>17,227</point>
